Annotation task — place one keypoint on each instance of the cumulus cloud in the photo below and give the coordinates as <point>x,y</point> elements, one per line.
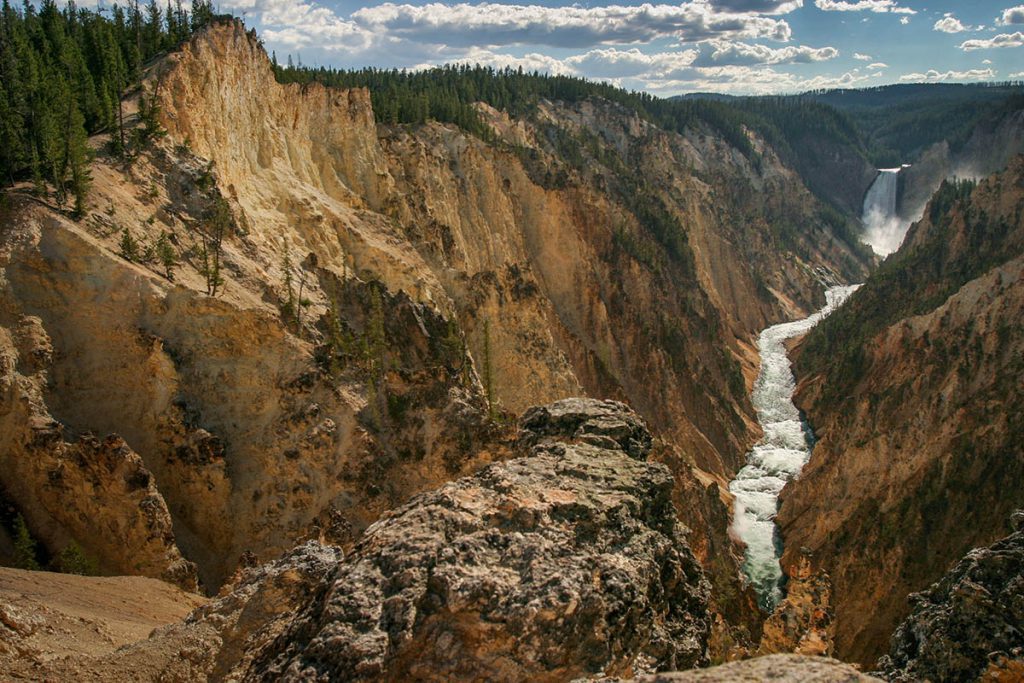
<point>613,63</point>
<point>878,65</point>
<point>862,57</point>
<point>933,76</point>
<point>904,20</point>
<point>722,52</point>
<point>1012,15</point>
<point>300,24</point>
<point>751,80</point>
<point>495,24</point>
<point>949,24</point>
<point>758,6</point>
<point>1001,40</point>
<point>862,6</point>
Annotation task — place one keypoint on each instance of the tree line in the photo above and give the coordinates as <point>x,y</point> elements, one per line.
<point>448,93</point>
<point>63,73</point>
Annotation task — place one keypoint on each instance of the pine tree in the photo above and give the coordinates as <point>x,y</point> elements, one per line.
<point>165,252</point>
<point>24,546</point>
<point>129,247</point>
<point>73,560</point>
<point>216,224</point>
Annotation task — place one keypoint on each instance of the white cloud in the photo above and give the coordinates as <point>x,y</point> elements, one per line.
<point>904,20</point>
<point>1018,74</point>
<point>726,52</point>
<point>878,65</point>
<point>932,76</point>
<point>862,6</point>
<point>613,63</point>
<point>1013,15</point>
<point>750,80</point>
<point>300,24</point>
<point>862,57</point>
<point>949,24</point>
<point>530,62</point>
<point>1001,40</point>
<point>758,6</point>
<point>494,24</point>
<point>986,61</point>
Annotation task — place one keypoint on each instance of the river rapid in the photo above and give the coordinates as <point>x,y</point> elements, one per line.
<point>778,457</point>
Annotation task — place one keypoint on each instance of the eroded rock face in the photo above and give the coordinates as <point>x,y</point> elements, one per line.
<point>802,621</point>
<point>968,626</point>
<point>561,563</point>
<point>96,492</point>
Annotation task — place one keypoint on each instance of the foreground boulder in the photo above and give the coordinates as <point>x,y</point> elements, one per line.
<point>970,625</point>
<point>563,563</point>
<point>778,668</point>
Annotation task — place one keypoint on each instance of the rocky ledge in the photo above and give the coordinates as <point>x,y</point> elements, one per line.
<point>564,562</point>
<point>969,625</point>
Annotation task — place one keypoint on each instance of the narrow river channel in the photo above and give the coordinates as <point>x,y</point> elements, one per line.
<point>778,457</point>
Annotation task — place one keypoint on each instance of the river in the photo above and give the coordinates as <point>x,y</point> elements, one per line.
<point>778,457</point>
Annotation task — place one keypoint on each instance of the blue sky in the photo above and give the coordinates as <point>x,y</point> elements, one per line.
<point>735,46</point>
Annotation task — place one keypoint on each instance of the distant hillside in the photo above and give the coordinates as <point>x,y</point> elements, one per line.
<point>897,122</point>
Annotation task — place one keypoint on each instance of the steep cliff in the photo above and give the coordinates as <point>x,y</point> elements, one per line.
<point>967,626</point>
<point>993,142</point>
<point>914,390</point>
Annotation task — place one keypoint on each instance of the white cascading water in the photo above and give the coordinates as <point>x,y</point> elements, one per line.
<point>883,229</point>
<point>778,457</point>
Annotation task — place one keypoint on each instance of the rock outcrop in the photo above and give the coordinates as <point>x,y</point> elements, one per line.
<point>914,390</point>
<point>97,493</point>
<point>564,562</point>
<point>802,622</point>
<point>775,668</point>
<point>970,625</point>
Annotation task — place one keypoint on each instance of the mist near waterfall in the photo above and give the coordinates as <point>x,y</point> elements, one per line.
<point>884,230</point>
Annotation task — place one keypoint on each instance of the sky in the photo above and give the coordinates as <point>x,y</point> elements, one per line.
<point>730,46</point>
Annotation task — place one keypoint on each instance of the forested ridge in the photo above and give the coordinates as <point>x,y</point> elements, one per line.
<point>447,94</point>
<point>894,123</point>
<point>63,73</point>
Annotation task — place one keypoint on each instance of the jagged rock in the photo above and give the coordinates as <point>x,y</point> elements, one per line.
<point>777,668</point>
<point>96,492</point>
<point>605,424</point>
<point>802,621</point>
<point>969,625</point>
<point>562,563</point>
<point>258,606</point>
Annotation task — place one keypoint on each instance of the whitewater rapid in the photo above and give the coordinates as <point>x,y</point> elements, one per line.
<point>778,457</point>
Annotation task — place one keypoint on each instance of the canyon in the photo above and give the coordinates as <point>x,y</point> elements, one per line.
<point>502,406</point>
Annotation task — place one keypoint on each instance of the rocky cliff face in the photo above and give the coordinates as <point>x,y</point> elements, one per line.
<point>967,626</point>
<point>564,561</point>
<point>561,563</point>
<point>914,389</point>
<point>990,148</point>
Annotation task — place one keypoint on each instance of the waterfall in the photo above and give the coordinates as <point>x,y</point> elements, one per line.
<point>883,228</point>
<point>777,458</point>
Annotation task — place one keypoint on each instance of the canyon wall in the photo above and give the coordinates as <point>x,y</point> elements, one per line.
<point>914,390</point>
